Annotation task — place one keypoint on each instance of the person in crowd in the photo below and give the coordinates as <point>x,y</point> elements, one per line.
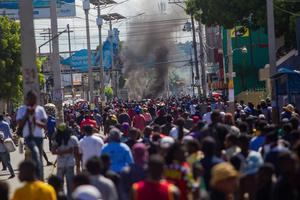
<point>217,130</point>
<point>194,154</point>
<point>66,148</point>
<point>4,156</point>
<point>133,136</point>
<point>231,147</point>
<point>32,120</point>
<point>110,122</point>
<point>178,132</point>
<point>123,117</point>
<point>88,121</point>
<point>98,118</point>
<point>224,182</point>
<point>147,116</point>
<point>147,135</point>
<point>5,129</point>
<point>134,172</point>
<point>266,110</point>
<point>80,118</point>
<point>249,162</point>
<point>288,112</point>
<point>4,191</point>
<point>33,188</point>
<point>105,186</point>
<point>83,190</point>
<point>57,184</point>
<point>91,145</point>
<point>107,172</point>
<point>210,159</point>
<point>161,118</point>
<point>287,186</point>
<point>188,121</point>
<point>166,128</point>
<point>119,153</point>
<point>51,124</point>
<point>229,120</point>
<point>207,116</point>
<point>257,141</point>
<point>178,170</point>
<point>139,121</point>
<point>155,187</point>
<point>265,182</point>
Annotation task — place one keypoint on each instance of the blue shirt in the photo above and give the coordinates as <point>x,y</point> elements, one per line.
<point>4,127</point>
<point>120,155</point>
<point>51,124</point>
<point>257,142</point>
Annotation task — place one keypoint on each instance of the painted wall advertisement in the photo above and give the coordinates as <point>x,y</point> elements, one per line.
<point>65,8</point>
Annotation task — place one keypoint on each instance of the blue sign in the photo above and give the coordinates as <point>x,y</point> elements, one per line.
<point>79,60</point>
<point>65,8</point>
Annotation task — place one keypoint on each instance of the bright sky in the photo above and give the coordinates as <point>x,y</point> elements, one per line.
<point>129,9</point>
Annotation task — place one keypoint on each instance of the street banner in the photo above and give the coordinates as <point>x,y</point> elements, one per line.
<point>65,8</point>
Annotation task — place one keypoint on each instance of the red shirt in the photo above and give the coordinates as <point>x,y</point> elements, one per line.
<point>88,122</point>
<point>148,190</point>
<point>139,122</point>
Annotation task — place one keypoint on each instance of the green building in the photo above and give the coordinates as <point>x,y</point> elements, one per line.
<point>247,65</point>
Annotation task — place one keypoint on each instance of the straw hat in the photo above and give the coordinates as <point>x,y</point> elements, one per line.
<point>289,108</point>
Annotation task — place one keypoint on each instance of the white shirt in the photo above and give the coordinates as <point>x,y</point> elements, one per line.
<point>89,147</point>
<point>174,132</point>
<point>39,114</point>
<point>207,117</point>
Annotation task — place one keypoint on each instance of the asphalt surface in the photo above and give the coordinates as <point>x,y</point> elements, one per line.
<point>16,158</point>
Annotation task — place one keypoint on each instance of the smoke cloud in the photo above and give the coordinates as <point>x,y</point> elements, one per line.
<point>146,52</point>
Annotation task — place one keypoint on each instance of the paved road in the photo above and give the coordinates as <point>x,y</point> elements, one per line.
<point>16,158</point>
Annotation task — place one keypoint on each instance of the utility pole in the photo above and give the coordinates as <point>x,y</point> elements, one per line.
<point>99,24</point>
<point>86,8</point>
<point>197,78</point>
<point>192,72</point>
<point>58,90</point>
<point>230,68</point>
<point>28,49</point>
<point>272,56</point>
<point>202,62</point>
<point>70,54</point>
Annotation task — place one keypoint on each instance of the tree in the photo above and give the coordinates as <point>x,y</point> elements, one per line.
<point>11,85</point>
<point>229,13</point>
<point>10,60</point>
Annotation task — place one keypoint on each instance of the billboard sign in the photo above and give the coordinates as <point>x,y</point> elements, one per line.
<point>79,60</point>
<point>65,8</point>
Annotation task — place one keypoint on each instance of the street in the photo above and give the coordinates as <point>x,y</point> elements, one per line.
<point>16,158</point>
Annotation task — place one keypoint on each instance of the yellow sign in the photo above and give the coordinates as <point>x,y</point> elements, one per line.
<point>230,84</point>
<point>239,31</point>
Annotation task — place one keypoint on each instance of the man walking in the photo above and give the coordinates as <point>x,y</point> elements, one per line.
<point>32,120</point>
<point>5,129</point>
<point>4,156</point>
<point>90,145</point>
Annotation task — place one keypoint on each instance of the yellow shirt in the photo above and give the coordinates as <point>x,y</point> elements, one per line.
<point>36,190</point>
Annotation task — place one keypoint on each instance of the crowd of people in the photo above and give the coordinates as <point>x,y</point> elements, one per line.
<point>177,148</point>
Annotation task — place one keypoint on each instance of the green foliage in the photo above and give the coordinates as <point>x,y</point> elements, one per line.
<point>11,85</point>
<point>10,60</point>
<point>229,13</point>
<point>109,93</point>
